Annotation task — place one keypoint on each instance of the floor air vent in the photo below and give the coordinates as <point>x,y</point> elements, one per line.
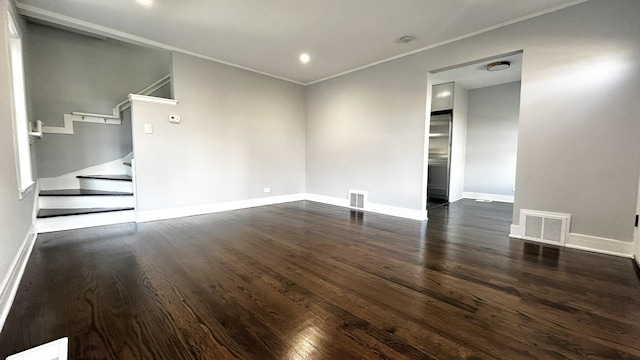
<point>547,227</point>
<point>357,198</point>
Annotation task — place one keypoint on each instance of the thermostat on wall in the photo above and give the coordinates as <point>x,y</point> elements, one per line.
<point>174,119</point>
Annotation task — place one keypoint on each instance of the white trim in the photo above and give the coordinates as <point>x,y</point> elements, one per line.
<point>154,215</point>
<point>70,222</point>
<point>152,99</point>
<point>586,243</point>
<point>516,231</point>
<point>600,245</point>
<point>53,17</point>
<point>486,196</point>
<point>9,286</point>
<point>56,18</point>
<point>126,103</point>
<point>461,37</point>
<point>420,215</point>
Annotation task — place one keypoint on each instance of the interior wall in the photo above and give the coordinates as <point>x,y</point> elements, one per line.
<point>458,142</point>
<point>240,132</point>
<point>69,72</point>
<point>15,214</point>
<point>492,139</point>
<point>578,112</point>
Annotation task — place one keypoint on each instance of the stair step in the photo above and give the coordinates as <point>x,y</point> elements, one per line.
<point>106,177</point>
<point>49,213</point>
<point>83,192</point>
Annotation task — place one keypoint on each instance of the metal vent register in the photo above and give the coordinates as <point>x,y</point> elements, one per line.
<point>545,227</point>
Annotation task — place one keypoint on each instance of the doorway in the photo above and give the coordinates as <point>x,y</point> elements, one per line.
<point>473,131</point>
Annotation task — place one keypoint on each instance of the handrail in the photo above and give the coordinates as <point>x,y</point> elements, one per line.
<point>126,103</point>
<point>95,115</point>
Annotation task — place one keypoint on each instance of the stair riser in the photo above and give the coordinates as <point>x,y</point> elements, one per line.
<point>83,221</point>
<point>106,185</point>
<point>71,202</point>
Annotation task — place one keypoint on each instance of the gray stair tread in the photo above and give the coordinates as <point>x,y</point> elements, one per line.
<point>106,177</point>
<point>83,192</point>
<point>48,213</point>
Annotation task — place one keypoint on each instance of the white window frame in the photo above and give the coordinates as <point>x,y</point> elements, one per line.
<point>19,115</point>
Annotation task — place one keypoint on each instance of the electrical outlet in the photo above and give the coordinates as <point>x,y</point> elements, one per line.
<point>267,190</point>
<point>148,129</point>
<point>174,119</point>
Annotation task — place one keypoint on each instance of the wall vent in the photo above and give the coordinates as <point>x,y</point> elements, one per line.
<point>546,227</point>
<point>357,199</point>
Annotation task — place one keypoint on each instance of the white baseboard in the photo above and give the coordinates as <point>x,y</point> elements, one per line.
<point>587,243</point>
<point>420,215</point>
<point>69,181</point>
<point>9,285</point>
<point>516,231</point>
<point>600,245</point>
<point>154,215</point>
<point>490,197</point>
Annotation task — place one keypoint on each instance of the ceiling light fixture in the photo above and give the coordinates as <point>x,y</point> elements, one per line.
<point>146,2</point>
<point>498,66</point>
<point>406,39</point>
<point>305,58</point>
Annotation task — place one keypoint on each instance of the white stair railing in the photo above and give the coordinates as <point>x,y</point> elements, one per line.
<point>111,119</point>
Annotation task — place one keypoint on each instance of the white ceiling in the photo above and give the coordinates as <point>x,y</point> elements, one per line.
<point>475,76</point>
<point>269,35</point>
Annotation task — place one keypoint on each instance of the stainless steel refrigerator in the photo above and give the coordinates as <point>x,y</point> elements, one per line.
<point>439,158</point>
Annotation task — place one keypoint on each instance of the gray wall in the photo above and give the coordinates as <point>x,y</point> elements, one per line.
<point>578,148</point>
<point>365,131</point>
<point>240,132</point>
<point>71,72</point>
<point>15,214</point>
<point>492,139</point>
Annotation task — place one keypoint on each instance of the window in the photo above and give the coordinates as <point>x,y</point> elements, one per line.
<point>19,109</point>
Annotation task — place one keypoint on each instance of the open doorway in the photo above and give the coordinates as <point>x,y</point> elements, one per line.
<point>473,131</point>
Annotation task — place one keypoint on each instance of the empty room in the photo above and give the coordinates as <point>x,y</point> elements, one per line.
<point>285,179</point>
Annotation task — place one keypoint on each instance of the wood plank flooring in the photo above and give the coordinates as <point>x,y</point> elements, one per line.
<point>305,280</point>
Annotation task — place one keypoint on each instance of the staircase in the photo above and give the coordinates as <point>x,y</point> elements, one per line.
<point>99,200</point>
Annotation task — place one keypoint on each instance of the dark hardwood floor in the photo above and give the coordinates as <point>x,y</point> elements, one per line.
<point>310,281</point>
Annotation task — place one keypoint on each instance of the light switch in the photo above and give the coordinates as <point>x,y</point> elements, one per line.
<point>148,129</point>
<point>174,119</point>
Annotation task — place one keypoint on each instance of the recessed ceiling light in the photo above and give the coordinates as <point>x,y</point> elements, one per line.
<point>146,2</point>
<point>305,58</point>
<point>498,66</point>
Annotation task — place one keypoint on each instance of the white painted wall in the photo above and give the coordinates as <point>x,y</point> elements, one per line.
<point>458,142</point>
<point>15,214</point>
<point>579,112</point>
<point>492,139</point>
<point>240,133</point>
<point>71,72</point>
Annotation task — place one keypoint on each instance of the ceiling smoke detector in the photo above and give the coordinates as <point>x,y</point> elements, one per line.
<point>498,66</point>
<point>406,39</point>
